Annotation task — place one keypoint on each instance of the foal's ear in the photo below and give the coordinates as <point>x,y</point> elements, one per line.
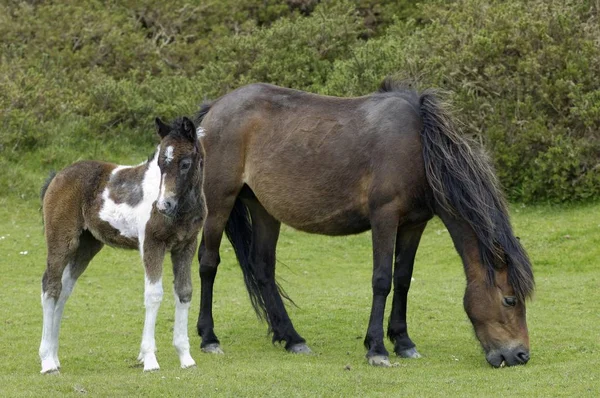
<point>161,128</point>
<point>189,130</point>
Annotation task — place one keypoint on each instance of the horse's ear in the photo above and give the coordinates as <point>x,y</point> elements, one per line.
<point>189,130</point>
<point>161,128</point>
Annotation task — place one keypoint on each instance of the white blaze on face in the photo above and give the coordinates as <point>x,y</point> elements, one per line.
<point>169,154</point>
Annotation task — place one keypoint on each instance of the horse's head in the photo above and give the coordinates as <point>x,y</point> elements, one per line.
<point>180,160</point>
<point>497,312</point>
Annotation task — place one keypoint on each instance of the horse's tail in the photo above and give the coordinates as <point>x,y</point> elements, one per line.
<point>239,233</point>
<point>465,186</point>
<point>46,184</point>
<point>43,190</point>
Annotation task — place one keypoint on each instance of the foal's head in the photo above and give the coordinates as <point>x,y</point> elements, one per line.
<point>180,160</point>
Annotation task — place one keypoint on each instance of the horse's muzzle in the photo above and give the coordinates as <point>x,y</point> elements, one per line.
<point>167,206</point>
<point>508,356</point>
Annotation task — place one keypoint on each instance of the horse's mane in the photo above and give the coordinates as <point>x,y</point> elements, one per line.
<point>465,186</point>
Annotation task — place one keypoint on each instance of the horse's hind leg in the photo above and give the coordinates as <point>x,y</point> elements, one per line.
<point>265,233</point>
<point>88,248</point>
<point>182,288</point>
<point>384,223</point>
<point>63,230</point>
<point>407,241</point>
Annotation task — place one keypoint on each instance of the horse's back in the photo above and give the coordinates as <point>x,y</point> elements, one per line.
<point>315,162</point>
<point>77,182</point>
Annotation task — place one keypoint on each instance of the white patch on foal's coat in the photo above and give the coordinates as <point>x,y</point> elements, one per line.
<point>200,132</point>
<point>129,220</point>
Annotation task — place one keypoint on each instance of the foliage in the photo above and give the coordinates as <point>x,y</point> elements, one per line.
<point>520,74</point>
<point>82,79</point>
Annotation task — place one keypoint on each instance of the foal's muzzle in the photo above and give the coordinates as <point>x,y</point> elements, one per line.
<point>166,206</point>
<point>508,356</point>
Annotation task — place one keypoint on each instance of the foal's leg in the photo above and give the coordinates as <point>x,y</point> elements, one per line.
<point>407,241</point>
<point>88,248</point>
<point>384,223</point>
<point>153,254</point>
<point>62,240</point>
<point>182,288</point>
<point>265,233</point>
<point>209,259</point>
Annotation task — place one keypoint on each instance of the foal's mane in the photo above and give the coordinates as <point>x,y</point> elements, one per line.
<point>466,187</point>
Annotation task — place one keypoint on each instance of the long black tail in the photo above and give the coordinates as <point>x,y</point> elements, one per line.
<point>465,186</point>
<point>239,233</point>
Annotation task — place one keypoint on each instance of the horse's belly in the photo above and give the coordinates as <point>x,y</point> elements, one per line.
<point>320,217</point>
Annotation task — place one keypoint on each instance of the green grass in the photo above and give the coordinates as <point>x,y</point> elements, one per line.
<point>330,280</point>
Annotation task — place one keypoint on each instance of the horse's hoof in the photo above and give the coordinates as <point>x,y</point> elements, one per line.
<point>409,353</point>
<point>300,348</point>
<point>49,367</point>
<point>54,371</point>
<point>187,362</point>
<point>380,360</point>
<point>212,349</point>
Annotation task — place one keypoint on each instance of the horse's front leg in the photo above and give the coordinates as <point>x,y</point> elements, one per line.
<point>182,288</point>
<point>407,242</point>
<point>384,222</point>
<point>153,254</point>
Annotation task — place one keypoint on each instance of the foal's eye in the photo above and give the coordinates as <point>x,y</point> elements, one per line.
<point>509,301</point>
<point>185,165</point>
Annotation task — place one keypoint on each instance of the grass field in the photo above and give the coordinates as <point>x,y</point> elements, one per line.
<point>329,278</point>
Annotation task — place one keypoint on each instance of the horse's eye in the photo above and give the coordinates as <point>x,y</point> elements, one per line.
<point>509,301</point>
<point>185,165</point>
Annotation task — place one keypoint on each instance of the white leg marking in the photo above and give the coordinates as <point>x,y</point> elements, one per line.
<point>68,283</point>
<point>46,346</point>
<point>180,333</point>
<point>152,297</point>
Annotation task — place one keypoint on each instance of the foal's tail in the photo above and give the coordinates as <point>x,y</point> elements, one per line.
<point>45,186</point>
<point>465,187</point>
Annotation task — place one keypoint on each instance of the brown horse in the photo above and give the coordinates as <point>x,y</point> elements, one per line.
<point>388,162</point>
<point>154,207</point>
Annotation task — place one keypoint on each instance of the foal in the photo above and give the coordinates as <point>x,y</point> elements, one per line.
<point>154,207</point>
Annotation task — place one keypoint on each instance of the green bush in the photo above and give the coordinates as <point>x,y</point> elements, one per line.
<point>522,75</point>
<point>85,79</point>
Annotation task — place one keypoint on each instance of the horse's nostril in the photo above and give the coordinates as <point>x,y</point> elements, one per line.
<point>523,356</point>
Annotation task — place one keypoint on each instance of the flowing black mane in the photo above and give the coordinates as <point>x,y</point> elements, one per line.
<point>466,186</point>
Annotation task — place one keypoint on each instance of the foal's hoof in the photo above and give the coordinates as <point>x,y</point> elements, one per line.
<point>212,349</point>
<point>409,353</point>
<point>49,367</point>
<point>54,371</point>
<point>299,348</point>
<point>380,360</point>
